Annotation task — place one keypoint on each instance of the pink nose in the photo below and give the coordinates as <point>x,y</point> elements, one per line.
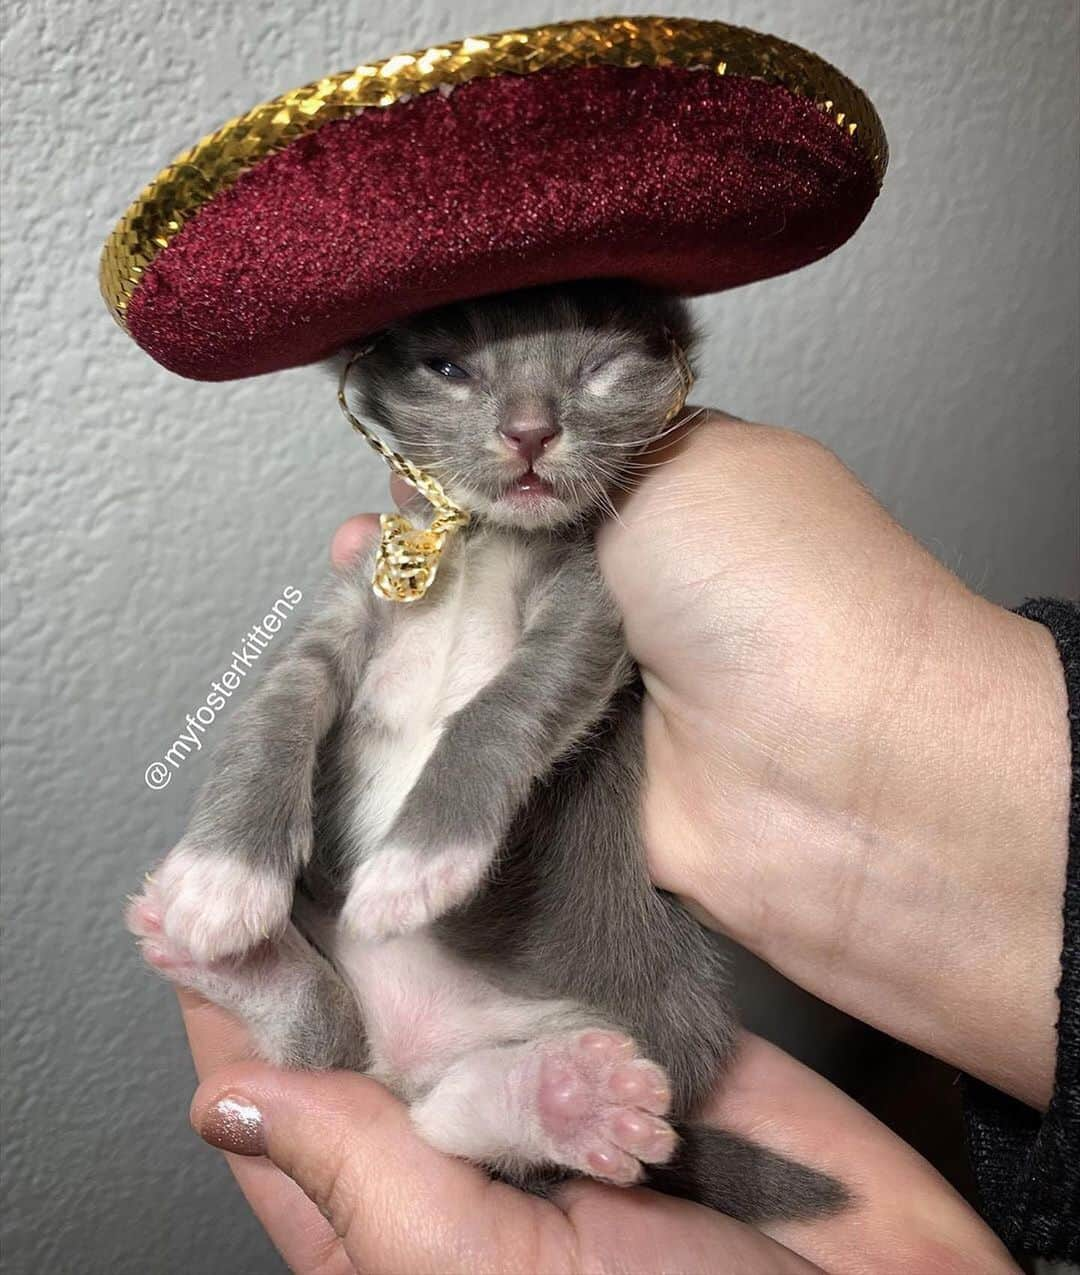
<point>529,439</point>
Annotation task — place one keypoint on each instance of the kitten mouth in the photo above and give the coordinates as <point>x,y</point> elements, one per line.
<point>531,482</point>
<point>529,488</point>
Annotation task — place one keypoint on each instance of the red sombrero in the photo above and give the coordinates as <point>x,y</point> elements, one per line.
<point>694,156</point>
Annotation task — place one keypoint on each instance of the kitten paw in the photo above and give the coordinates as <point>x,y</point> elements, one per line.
<point>399,889</point>
<point>229,981</point>
<point>583,1100</point>
<point>144,919</point>
<point>601,1106</point>
<point>213,906</point>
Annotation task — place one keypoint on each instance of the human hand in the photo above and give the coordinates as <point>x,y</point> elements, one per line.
<point>347,1186</point>
<point>393,1204</point>
<point>856,767</point>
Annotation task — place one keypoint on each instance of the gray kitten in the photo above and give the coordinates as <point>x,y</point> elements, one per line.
<point>444,797</point>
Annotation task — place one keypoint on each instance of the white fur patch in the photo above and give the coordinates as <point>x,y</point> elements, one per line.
<point>394,762</point>
<point>215,906</point>
<point>440,654</point>
<point>606,377</point>
<point>398,889</point>
<point>423,1007</point>
<point>444,649</point>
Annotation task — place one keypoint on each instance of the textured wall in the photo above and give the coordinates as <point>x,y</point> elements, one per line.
<point>150,520</point>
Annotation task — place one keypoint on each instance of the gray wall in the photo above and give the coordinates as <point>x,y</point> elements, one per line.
<point>150,521</point>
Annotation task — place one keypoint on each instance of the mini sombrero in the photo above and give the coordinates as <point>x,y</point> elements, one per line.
<point>693,156</point>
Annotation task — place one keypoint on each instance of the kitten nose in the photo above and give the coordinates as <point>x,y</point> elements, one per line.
<point>529,436</point>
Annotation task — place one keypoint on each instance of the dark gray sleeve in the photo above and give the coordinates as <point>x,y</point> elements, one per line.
<point>1028,1165</point>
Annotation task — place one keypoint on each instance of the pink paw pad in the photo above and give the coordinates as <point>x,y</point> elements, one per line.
<point>602,1106</point>
<point>143,916</point>
<point>163,957</point>
<point>144,919</point>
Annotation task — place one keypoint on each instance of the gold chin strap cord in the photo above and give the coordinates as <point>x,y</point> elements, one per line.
<point>408,556</point>
<point>682,364</point>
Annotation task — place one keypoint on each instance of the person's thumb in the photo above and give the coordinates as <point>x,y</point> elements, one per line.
<point>396,1203</point>
<point>353,538</point>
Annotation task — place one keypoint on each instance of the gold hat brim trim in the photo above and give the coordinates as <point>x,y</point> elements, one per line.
<point>214,163</point>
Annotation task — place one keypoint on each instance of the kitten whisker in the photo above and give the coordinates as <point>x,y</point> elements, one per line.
<point>639,467</point>
<point>605,499</point>
<point>682,422</point>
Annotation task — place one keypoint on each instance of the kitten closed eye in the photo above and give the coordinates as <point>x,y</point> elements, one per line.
<point>603,375</point>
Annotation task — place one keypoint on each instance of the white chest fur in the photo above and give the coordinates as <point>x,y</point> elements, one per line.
<point>436,656</point>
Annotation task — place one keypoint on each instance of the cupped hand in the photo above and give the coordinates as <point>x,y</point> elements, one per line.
<point>343,1184</point>
<point>856,767</point>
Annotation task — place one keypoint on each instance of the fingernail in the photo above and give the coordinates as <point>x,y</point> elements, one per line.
<point>234,1124</point>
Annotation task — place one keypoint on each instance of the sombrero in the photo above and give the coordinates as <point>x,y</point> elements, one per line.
<point>692,156</point>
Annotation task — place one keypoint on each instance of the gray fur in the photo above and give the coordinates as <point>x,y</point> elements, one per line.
<point>299,1011</point>
<point>544,763</point>
<point>558,683</point>
<point>258,803</point>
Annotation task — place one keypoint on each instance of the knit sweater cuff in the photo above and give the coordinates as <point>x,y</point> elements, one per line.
<point>1028,1165</point>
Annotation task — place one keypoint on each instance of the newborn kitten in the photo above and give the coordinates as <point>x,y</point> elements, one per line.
<point>420,855</point>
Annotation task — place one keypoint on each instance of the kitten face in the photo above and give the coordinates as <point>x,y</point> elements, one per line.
<point>529,407</point>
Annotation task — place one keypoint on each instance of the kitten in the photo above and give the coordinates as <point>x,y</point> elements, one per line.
<point>420,854</point>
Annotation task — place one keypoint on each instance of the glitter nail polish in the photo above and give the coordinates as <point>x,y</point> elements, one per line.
<point>234,1124</point>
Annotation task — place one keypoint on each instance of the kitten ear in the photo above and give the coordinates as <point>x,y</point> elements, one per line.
<point>333,365</point>
<point>679,324</point>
